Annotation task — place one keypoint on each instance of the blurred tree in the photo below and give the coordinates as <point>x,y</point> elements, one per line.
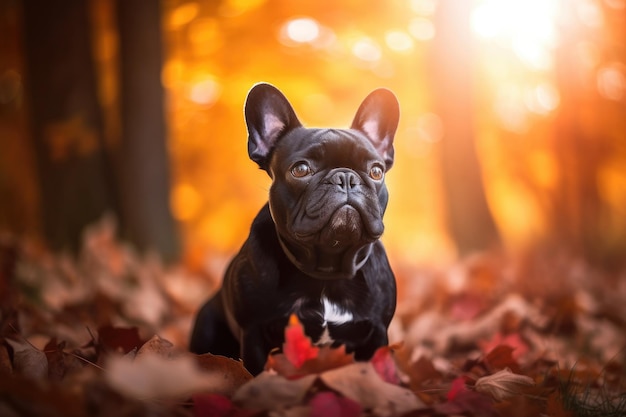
<point>584,143</point>
<point>81,178</point>
<point>66,125</point>
<point>142,155</point>
<point>469,217</point>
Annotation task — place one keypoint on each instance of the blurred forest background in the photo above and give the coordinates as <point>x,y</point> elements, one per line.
<point>512,131</point>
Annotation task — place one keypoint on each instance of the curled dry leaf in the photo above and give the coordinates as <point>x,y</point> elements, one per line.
<point>273,392</point>
<point>503,384</point>
<point>360,382</point>
<point>153,377</point>
<point>28,360</point>
<point>233,372</point>
<point>158,346</point>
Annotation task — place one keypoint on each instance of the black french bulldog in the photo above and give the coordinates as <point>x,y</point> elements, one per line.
<point>313,249</point>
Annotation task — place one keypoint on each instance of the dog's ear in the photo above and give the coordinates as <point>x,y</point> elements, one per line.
<point>378,117</point>
<point>268,117</point>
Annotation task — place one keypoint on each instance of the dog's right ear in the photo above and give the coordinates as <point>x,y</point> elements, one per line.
<point>268,117</point>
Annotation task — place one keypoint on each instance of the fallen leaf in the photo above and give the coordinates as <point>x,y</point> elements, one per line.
<point>28,360</point>
<point>501,357</point>
<point>327,358</point>
<point>361,383</point>
<point>503,384</point>
<point>298,347</point>
<point>233,372</point>
<point>153,377</point>
<point>385,365</point>
<point>269,391</point>
<point>462,400</point>
<point>216,405</point>
<point>158,346</point>
<point>6,368</point>
<point>518,346</point>
<point>112,339</point>
<point>329,404</point>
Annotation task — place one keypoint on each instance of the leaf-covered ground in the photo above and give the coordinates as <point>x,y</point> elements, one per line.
<point>104,334</point>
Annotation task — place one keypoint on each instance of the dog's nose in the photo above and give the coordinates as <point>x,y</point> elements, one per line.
<point>346,180</point>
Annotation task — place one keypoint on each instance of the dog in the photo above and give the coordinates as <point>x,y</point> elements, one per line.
<point>313,249</point>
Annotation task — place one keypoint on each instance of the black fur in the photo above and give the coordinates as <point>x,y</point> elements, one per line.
<point>317,236</point>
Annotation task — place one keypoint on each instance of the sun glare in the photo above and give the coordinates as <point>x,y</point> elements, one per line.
<point>528,26</point>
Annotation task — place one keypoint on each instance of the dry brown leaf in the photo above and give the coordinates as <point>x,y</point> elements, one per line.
<point>269,391</point>
<point>360,382</point>
<point>233,372</point>
<point>153,377</point>
<point>158,346</point>
<point>6,368</point>
<point>28,360</point>
<point>503,384</point>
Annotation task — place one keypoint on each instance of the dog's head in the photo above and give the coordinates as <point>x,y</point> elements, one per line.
<point>328,192</point>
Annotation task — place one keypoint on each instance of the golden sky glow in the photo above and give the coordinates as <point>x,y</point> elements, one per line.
<point>326,58</point>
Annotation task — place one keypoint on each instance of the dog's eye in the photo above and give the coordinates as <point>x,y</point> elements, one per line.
<point>377,172</point>
<point>301,169</point>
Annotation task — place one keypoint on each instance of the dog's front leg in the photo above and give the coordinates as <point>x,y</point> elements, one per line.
<point>377,339</point>
<point>253,349</point>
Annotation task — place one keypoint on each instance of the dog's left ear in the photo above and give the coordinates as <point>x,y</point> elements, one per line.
<point>268,117</point>
<point>378,117</point>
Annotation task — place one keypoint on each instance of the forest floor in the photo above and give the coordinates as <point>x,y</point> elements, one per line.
<point>104,334</point>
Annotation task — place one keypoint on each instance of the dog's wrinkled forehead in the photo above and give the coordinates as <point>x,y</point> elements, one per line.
<point>332,147</point>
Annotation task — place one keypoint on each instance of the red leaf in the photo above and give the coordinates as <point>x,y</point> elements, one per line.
<point>458,386</point>
<point>518,347</point>
<point>501,357</point>
<point>385,365</point>
<point>215,405</point>
<point>462,400</point>
<point>329,404</point>
<point>114,338</point>
<point>298,347</point>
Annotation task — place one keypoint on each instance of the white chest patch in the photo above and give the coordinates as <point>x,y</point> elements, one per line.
<point>332,313</point>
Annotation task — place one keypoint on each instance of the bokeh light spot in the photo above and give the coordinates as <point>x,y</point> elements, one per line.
<point>399,41</point>
<point>422,29</point>
<point>367,50</point>
<point>611,82</point>
<point>302,30</point>
<point>185,201</point>
<point>182,15</point>
<point>205,92</point>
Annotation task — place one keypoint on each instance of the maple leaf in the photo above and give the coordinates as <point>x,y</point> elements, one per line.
<point>300,357</point>
<point>385,365</point>
<point>503,384</point>
<point>298,347</point>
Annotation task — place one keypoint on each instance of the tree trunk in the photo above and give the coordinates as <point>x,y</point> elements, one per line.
<point>65,119</point>
<point>469,218</point>
<point>142,155</point>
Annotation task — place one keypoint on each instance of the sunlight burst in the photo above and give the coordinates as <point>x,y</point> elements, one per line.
<point>528,26</point>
